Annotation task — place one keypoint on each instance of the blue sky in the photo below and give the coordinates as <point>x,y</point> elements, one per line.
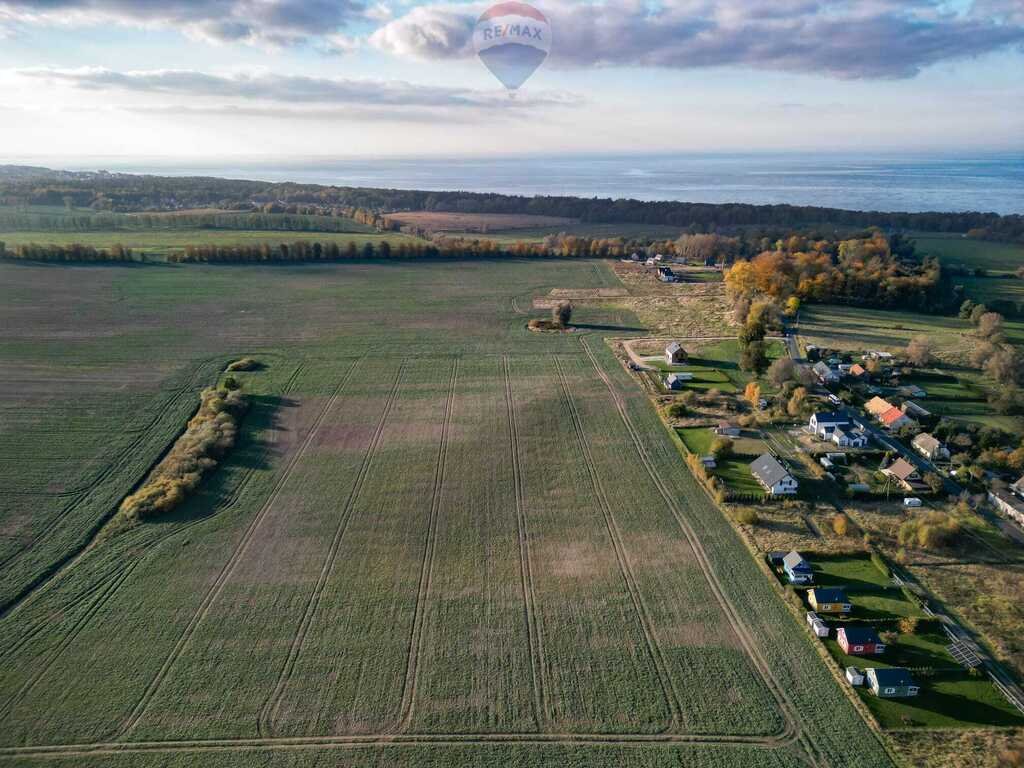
<point>339,77</point>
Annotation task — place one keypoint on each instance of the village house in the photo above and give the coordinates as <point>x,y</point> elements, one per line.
<point>826,374</point>
<point>677,381</point>
<point>1018,487</point>
<point>850,438</point>
<point>876,406</point>
<point>915,411</point>
<point>930,447</point>
<point>892,683</point>
<point>675,354</point>
<point>819,627</point>
<point>854,677</point>
<point>666,275</point>
<point>824,424</point>
<point>829,600</point>
<point>860,641</point>
<point>773,477</point>
<point>859,372</point>
<point>709,462</point>
<point>1008,504</point>
<point>895,419</point>
<point>798,570</point>
<point>728,429</point>
<point>904,473</point>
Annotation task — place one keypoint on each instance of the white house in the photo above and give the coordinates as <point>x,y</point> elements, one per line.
<point>854,677</point>
<point>677,380</point>
<point>675,354</point>
<point>819,627</point>
<point>824,424</point>
<point>1008,504</point>
<point>850,438</point>
<point>773,477</point>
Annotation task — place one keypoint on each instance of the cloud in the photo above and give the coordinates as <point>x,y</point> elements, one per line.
<point>258,89</point>
<point>844,39</point>
<point>268,22</point>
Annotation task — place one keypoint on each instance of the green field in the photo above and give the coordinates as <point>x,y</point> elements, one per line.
<point>441,540</point>
<point>957,249</point>
<point>163,241</point>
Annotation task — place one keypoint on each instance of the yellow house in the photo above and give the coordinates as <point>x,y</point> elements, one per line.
<point>830,600</point>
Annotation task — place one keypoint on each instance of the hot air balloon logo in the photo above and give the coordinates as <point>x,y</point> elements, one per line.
<point>513,40</point>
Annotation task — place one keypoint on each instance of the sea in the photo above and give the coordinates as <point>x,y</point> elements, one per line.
<point>872,182</point>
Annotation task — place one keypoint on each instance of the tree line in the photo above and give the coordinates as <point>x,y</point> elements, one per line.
<point>124,192</point>
<point>74,253</point>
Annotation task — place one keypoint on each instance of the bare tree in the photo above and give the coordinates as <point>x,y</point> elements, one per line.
<point>919,350</point>
<point>561,314</point>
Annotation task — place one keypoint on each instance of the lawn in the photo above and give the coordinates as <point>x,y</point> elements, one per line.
<point>953,701</point>
<point>436,527</point>
<point>734,472</point>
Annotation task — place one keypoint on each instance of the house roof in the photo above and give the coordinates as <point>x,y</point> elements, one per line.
<point>876,406</point>
<point>926,442</point>
<point>727,425</point>
<point>674,347</point>
<point>1018,486</point>
<point>860,635</point>
<point>901,469</point>
<point>829,595</point>
<point>857,370</point>
<point>795,561</point>
<point>892,416</point>
<point>768,470</point>
<point>831,418</point>
<point>893,677</point>
<point>822,369</point>
<point>679,377</point>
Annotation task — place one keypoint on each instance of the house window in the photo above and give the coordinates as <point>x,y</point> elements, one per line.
<point>890,690</point>
<point>857,648</point>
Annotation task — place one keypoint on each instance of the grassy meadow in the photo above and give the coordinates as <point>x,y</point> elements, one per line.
<point>441,540</point>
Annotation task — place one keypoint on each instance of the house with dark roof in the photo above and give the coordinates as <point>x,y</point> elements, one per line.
<point>798,570</point>
<point>826,374</point>
<point>773,477</point>
<point>930,447</point>
<point>859,641</point>
<point>829,600</point>
<point>892,683</point>
<point>904,473</point>
<point>675,354</point>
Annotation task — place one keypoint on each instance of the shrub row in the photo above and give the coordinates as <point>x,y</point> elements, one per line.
<point>208,436</point>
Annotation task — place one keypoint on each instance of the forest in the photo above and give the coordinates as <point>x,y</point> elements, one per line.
<point>131,193</point>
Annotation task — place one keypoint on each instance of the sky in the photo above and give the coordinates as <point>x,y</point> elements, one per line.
<point>260,78</point>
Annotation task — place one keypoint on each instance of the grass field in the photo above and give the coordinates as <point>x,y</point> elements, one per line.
<point>957,249</point>
<point>163,241</point>
<point>441,540</point>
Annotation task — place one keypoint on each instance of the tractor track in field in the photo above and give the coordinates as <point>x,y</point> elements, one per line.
<point>427,568</point>
<point>542,713</point>
<point>105,592</point>
<point>111,748</point>
<point>109,589</point>
<point>81,496</point>
<point>240,549</point>
<point>271,707</point>
<point>229,502</point>
<point>625,567</point>
<point>785,703</point>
